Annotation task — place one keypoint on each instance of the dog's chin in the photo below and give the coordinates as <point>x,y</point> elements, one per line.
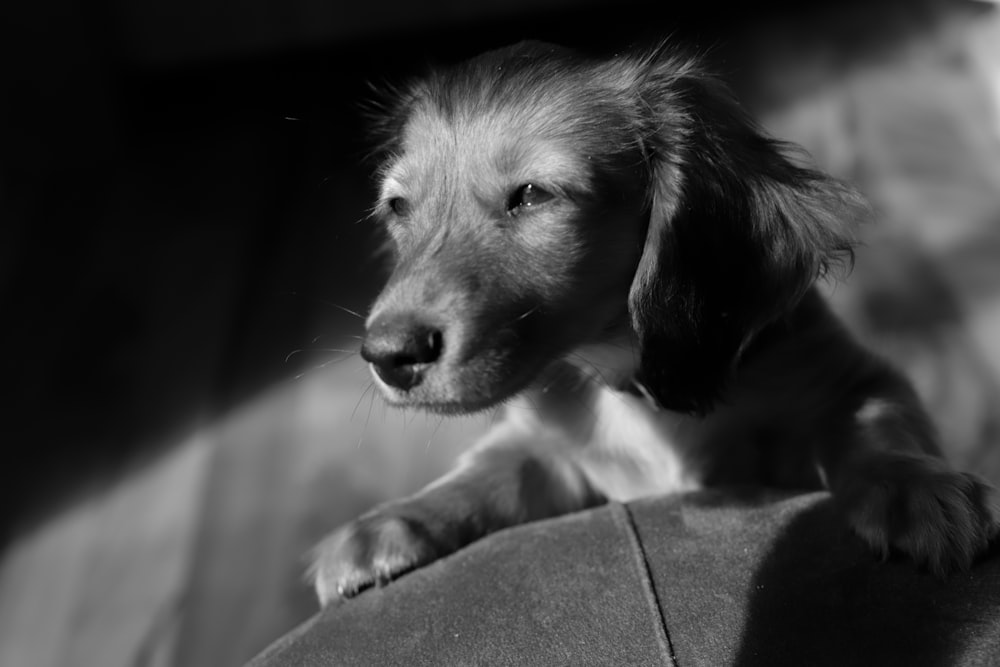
<point>456,395</point>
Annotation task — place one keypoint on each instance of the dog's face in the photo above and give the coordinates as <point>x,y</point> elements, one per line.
<point>516,232</point>
<point>537,201</point>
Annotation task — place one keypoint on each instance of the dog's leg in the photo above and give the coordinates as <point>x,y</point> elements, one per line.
<point>504,482</point>
<point>897,493</point>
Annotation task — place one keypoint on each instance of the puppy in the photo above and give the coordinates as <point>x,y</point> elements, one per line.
<point>615,251</point>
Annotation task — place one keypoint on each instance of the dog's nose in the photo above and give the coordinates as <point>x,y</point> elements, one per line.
<point>399,348</point>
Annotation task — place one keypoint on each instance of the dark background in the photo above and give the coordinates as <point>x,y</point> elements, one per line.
<point>183,197</point>
<point>183,185</point>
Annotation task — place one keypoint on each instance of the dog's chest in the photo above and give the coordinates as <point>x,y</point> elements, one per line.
<point>634,450</point>
<point>626,447</point>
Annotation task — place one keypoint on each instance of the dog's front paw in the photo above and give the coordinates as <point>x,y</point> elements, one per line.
<point>919,506</point>
<point>370,551</point>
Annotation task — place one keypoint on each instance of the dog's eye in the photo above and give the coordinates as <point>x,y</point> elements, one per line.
<point>527,196</point>
<point>399,206</point>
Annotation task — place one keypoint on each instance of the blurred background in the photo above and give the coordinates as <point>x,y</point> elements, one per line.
<point>182,246</point>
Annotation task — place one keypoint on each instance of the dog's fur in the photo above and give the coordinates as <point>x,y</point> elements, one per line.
<point>647,307</point>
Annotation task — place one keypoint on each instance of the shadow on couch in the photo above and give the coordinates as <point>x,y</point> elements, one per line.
<point>821,601</point>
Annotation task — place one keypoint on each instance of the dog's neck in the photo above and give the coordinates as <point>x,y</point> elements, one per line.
<point>614,361</point>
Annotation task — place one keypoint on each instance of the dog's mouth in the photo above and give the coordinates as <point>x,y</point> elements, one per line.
<point>440,380</point>
<point>426,359</point>
<point>475,386</point>
<point>451,408</point>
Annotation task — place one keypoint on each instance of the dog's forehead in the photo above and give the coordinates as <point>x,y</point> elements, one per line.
<point>481,130</point>
<point>480,144</point>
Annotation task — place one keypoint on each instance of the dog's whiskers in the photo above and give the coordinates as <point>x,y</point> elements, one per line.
<point>345,309</point>
<point>371,403</point>
<point>303,350</point>
<point>326,302</point>
<point>371,385</point>
<point>321,336</point>
<point>600,380</point>
<point>434,433</point>
<point>321,366</point>
<point>533,405</point>
<point>534,309</point>
<point>492,419</point>
<point>369,214</point>
<point>577,357</point>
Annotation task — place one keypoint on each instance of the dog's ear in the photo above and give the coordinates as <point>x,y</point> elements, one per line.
<point>737,234</point>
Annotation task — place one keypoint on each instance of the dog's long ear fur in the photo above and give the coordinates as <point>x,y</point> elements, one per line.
<point>737,233</point>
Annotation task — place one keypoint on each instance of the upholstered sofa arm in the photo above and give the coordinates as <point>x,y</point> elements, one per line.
<point>711,578</point>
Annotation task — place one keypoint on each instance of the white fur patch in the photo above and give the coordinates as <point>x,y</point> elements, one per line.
<point>636,450</point>
<point>625,445</point>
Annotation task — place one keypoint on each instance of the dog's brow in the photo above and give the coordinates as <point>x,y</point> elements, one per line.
<point>532,160</point>
<point>392,182</point>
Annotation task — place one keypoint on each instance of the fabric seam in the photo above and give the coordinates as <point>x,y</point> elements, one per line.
<point>646,574</point>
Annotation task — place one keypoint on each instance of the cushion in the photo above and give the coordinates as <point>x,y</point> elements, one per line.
<point>732,577</point>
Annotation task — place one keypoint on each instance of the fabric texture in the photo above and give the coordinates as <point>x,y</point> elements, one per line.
<point>710,578</point>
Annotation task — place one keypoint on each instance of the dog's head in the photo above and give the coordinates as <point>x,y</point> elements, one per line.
<point>537,201</point>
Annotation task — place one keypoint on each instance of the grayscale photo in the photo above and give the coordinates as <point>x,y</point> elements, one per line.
<point>562,333</point>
